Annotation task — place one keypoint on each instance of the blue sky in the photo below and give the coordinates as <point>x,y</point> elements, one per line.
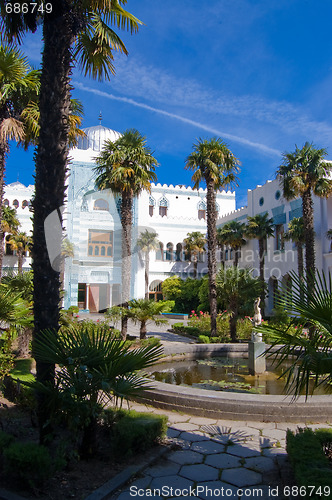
<point>256,73</point>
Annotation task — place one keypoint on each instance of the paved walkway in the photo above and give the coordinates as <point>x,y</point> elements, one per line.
<point>217,459</point>
<point>214,458</point>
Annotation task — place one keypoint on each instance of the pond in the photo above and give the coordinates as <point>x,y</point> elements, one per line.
<point>229,374</point>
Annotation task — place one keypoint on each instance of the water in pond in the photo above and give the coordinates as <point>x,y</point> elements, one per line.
<point>221,374</point>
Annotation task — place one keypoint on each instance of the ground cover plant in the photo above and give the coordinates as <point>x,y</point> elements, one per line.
<point>94,369</point>
<point>310,455</point>
<point>199,327</point>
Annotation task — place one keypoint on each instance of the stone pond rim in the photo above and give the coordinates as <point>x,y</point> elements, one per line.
<point>227,405</point>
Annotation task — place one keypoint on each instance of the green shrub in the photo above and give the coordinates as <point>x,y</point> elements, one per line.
<point>177,325</point>
<point>29,462</point>
<point>73,309</point>
<point>136,432</point>
<point>310,465</point>
<point>244,329</point>
<point>5,440</point>
<point>189,330</point>
<point>204,339</point>
<point>152,341</point>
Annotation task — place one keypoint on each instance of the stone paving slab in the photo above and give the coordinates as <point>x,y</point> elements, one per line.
<point>243,451</point>
<point>199,473</point>
<point>185,426</point>
<point>174,481</point>
<point>223,461</point>
<point>274,434</point>
<point>241,477</point>
<point>172,433</point>
<point>259,464</point>
<point>164,468</point>
<point>193,436</point>
<point>186,457</point>
<point>208,447</point>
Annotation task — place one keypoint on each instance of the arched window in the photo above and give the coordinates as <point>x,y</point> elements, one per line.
<point>6,203</point>
<point>163,206</point>
<point>16,204</point>
<point>160,252</point>
<point>169,251</point>
<point>201,210</point>
<point>25,204</point>
<point>178,252</point>
<point>100,204</point>
<point>155,291</point>
<point>101,242</point>
<point>152,204</point>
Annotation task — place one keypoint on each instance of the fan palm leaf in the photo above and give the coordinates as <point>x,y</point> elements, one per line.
<point>310,306</point>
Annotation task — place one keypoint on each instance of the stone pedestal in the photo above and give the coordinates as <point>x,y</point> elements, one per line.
<point>257,363</point>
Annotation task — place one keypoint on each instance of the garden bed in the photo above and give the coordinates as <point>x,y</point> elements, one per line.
<point>78,478</point>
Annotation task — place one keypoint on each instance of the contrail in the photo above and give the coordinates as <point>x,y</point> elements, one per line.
<point>231,137</point>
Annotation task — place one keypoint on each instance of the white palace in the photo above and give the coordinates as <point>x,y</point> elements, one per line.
<point>92,224</point>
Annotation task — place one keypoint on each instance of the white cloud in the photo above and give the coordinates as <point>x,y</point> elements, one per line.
<point>241,140</point>
<point>156,85</point>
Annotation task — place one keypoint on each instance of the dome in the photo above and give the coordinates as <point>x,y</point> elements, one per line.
<point>96,137</point>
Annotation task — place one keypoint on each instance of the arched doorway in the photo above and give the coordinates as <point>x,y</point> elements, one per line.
<point>155,291</point>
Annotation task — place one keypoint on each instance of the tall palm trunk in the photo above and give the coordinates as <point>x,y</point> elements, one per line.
<point>236,256</point>
<point>126,221</point>
<point>51,165</point>
<point>212,245</point>
<point>147,271</point>
<point>300,267</point>
<point>222,256</point>
<point>308,220</point>
<point>195,262</point>
<point>142,331</point>
<point>20,261</point>
<point>3,152</point>
<point>261,272</point>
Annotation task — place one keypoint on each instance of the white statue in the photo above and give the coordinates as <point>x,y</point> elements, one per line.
<point>256,321</point>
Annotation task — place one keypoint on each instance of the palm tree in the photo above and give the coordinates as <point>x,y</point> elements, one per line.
<point>31,116</point>
<point>19,84</point>
<point>97,369</point>
<point>304,173</point>
<point>9,224</point>
<point>232,234</point>
<point>144,310</point>
<point>260,227</point>
<point>237,290</point>
<point>147,241</point>
<point>309,355</point>
<point>296,233</point>
<point>71,32</point>
<point>194,245</point>
<point>20,242</point>
<point>221,246</point>
<point>126,166</point>
<point>213,163</point>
